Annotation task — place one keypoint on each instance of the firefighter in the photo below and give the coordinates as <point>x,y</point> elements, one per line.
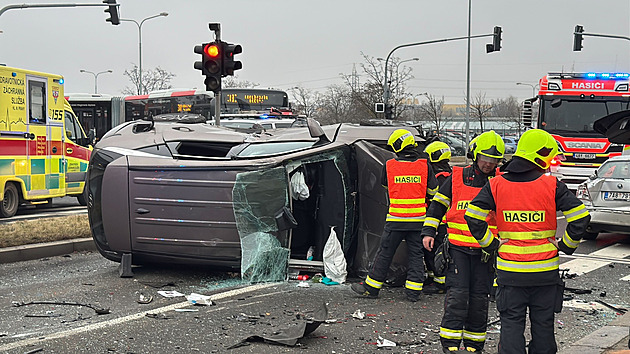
<point>469,274</point>
<point>410,182</point>
<point>525,200</point>
<point>439,157</point>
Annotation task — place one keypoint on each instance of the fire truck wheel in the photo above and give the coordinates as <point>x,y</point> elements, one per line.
<point>10,202</point>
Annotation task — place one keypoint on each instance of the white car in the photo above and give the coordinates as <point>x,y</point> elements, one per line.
<point>606,195</point>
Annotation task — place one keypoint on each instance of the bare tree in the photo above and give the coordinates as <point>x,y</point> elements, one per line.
<point>508,109</point>
<point>480,108</point>
<point>433,111</point>
<point>336,105</point>
<point>234,82</point>
<point>371,92</point>
<point>306,101</point>
<point>156,79</point>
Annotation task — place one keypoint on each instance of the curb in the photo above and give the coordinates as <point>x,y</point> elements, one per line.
<point>612,336</point>
<point>42,250</point>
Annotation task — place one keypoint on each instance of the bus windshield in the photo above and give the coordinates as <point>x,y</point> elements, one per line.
<point>576,116</point>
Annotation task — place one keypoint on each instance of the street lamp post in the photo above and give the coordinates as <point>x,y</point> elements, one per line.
<point>530,85</point>
<point>95,77</point>
<point>140,45</point>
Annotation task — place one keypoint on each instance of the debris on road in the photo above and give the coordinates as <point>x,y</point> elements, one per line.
<point>303,284</point>
<point>144,299</point>
<point>98,310</point>
<point>358,314</point>
<point>198,299</point>
<point>170,293</point>
<point>289,335</point>
<point>382,342</point>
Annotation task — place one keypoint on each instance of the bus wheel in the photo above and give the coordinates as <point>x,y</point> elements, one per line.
<point>10,202</point>
<point>82,198</point>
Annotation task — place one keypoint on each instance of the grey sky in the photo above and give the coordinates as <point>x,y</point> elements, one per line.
<point>308,43</point>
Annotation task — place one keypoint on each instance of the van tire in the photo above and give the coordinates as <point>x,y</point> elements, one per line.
<point>11,201</point>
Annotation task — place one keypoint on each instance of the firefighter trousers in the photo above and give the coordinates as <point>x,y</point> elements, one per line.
<point>513,303</point>
<point>389,243</point>
<point>468,282</point>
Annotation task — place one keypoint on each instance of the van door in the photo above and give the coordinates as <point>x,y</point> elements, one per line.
<point>41,180</point>
<point>76,154</point>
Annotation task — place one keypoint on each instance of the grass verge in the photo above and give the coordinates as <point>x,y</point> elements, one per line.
<point>44,230</point>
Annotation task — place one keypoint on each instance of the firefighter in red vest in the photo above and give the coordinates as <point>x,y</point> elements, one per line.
<point>439,157</point>
<point>469,274</point>
<point>410,182</point>
<point>526,200</point>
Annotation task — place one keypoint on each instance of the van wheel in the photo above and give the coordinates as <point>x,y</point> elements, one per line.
<point>82,198</point>
<point>590,235</point>
<point>10,202</point>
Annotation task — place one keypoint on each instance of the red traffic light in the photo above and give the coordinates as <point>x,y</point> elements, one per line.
<point>212,50</point>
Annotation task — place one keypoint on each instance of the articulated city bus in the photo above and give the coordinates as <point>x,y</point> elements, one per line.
<point>102,112</point>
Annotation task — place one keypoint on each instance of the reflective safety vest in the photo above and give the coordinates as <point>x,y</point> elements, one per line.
<point>526,217</point>
<point>458,232</point>
<point>407,188</point>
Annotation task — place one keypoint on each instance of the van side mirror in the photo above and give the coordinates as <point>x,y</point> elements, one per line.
<point>91,136</point>
<point>593,176</point>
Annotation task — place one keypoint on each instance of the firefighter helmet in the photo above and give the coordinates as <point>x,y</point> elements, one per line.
<point>400,139</point>
<point>438,151</point>
<point>489,144</point>
<point>537,146</point>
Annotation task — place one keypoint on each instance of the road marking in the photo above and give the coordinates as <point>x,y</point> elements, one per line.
<point>585,265</point>
<point>120,320</point>
<point>626,278</point>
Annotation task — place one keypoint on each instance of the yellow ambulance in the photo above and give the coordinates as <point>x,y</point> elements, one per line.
<point>44,152</point>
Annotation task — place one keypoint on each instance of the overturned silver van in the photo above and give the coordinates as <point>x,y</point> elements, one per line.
<point>183,191</point>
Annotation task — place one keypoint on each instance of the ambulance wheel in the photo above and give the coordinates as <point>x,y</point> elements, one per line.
<point>590,235</point>
<point>82,198</point>
<point>10,202</point>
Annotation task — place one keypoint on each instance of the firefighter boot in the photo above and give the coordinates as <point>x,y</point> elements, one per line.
<point>365,290</point>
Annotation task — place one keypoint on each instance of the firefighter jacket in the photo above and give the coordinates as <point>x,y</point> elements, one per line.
<point>471,176</point>
<point>462,195</point>
<point>525,201</point>
<point>411,183</point>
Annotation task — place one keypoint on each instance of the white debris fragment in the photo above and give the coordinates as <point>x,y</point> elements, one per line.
<point>303,284</point>
<point>198,299</point>
<point>170,293</point>
<point>382,342</point>
<point>358,315</point>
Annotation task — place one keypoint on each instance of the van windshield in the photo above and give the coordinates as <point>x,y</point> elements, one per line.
<point>264,149</point>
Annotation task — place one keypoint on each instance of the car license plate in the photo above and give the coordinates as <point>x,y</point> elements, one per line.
<point>584,156</point>
<point>617,196</point>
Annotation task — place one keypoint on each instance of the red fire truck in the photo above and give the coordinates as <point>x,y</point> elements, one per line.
<point>568,104</point>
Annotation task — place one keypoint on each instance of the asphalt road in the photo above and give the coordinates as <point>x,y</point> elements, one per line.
<point>244,310</point>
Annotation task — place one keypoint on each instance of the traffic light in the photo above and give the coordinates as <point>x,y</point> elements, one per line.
<point>389,111</point>
<point>229,64</point>
<point>211,64</point>
<point>496,41</point>
<point>577,38</point>
<point>114,17</point>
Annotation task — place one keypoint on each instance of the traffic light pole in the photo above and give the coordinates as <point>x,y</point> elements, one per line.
<point>216,27</point>
<point>386,84</point>
<point>26,6</point>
